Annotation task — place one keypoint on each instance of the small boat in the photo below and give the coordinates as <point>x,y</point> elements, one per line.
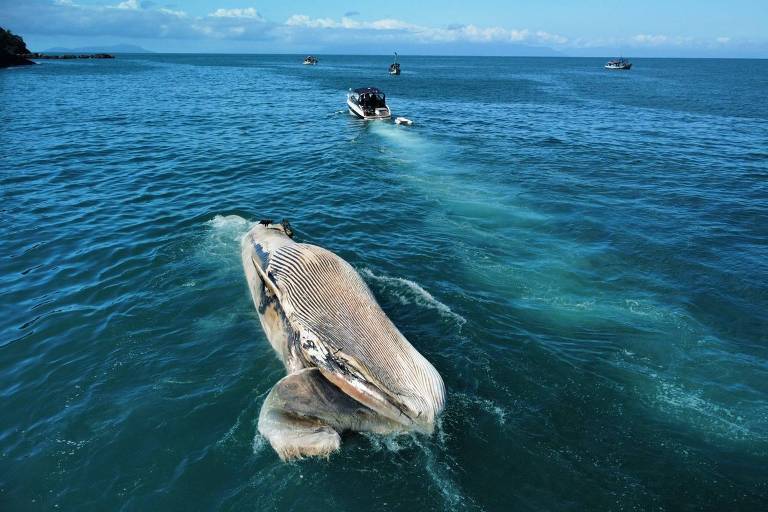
<point>310,60</point>
<point>368,103</point>
<point>620,63</point>
<point>394,68</point>
<point>403,120</point>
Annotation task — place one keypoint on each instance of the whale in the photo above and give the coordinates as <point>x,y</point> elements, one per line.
<point>348,367</point>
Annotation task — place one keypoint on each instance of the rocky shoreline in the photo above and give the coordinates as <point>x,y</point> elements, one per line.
<point>7,60</point>
<point>37,56</point>
<point>14,52</point>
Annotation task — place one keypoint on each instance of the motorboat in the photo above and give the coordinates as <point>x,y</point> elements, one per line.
<point>403,120</point>
<point>620,63</point>
<point>394,68</point>
<point>310,60</point>
<point>368,103</point>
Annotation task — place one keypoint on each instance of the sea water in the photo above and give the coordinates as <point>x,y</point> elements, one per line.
<point>582,254</point>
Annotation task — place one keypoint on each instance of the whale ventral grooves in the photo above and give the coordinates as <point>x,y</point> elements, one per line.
<point>319,314</point>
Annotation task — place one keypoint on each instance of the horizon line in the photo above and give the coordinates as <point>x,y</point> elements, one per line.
<point>152,52</point>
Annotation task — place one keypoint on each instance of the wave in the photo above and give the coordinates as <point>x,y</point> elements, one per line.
<point>439,471</point>
<point>410,292</point>
<point>688,404</point>
<point>701,413</point>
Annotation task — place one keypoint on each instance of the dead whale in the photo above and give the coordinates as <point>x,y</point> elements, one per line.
<point>349,367</point>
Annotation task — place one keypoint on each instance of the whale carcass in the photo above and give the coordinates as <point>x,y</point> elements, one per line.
<point>348,366</point>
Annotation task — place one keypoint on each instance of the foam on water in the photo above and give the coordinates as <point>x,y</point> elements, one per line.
<point>410,292</point>
<point>676,398</point>
<point>228,228</point>
<point>433,458</point>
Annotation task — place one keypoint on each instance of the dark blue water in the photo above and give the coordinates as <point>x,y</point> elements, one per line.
<point>582,254</point>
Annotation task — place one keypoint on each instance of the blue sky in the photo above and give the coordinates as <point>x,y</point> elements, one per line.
<point>703,28</point>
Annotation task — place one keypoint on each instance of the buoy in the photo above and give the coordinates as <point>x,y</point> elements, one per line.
<point>403,120</point>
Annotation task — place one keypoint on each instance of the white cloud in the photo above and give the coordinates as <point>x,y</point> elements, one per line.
<point>129,4</point>
<point>662,40</point>
<point>178,14</point>
<point>456,33</point>
<point>300,20</point>
<point>650,39</point>
<point>723,40</point>
<point>248,12</point>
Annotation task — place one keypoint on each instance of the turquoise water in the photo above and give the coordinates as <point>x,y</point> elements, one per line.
<point>580,253</point>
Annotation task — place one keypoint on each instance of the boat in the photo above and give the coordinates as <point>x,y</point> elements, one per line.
<point>620,63</point>
<point>394,68</point>
<point>403,120</point>
<point>368,103</point>
<point>310,60</point>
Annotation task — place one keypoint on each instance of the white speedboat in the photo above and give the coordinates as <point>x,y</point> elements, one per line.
<point>621,63</point>
<point>368,103</point>
<point>310,60</point>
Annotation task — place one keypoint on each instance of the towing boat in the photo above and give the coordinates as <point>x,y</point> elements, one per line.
<point>368,103</point>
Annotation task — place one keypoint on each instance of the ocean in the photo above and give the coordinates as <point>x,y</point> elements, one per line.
<point>582,254</point>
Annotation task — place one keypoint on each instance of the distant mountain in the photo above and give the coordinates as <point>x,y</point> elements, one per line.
<point>115,48</point>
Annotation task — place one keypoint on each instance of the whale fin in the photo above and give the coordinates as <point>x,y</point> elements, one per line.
<point>351,377</point>
<point>304,414</point>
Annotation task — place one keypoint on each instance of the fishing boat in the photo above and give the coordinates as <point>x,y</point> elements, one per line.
<point>310,60</point>
<point>394,68</point>
<point>368,103</point>
<point>620,63</point>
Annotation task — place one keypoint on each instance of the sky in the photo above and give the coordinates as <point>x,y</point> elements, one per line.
<point>639,28</point>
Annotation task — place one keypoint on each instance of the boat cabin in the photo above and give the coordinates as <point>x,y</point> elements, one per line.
<point>368,103</point>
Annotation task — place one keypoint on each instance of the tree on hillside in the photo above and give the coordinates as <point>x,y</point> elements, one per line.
<point>12,44</point>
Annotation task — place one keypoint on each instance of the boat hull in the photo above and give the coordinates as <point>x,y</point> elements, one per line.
<point>356,111</point>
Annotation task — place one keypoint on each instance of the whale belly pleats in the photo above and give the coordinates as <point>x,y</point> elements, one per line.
<point>326,296</point>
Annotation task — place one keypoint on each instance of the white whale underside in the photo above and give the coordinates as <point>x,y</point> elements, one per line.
<point>349,367</point>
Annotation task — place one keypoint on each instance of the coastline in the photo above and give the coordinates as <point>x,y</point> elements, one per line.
<point>67,56</point>
<point>8,60</point>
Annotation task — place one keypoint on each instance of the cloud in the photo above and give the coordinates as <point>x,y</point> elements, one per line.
<point>132,19</point>
<point>249,13</point>
<point>300,20</point>
<point>129,4</point>
<point>650,39</point>
<point>663,40</point>
<point>155,20</point>
<point>419,33</point>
